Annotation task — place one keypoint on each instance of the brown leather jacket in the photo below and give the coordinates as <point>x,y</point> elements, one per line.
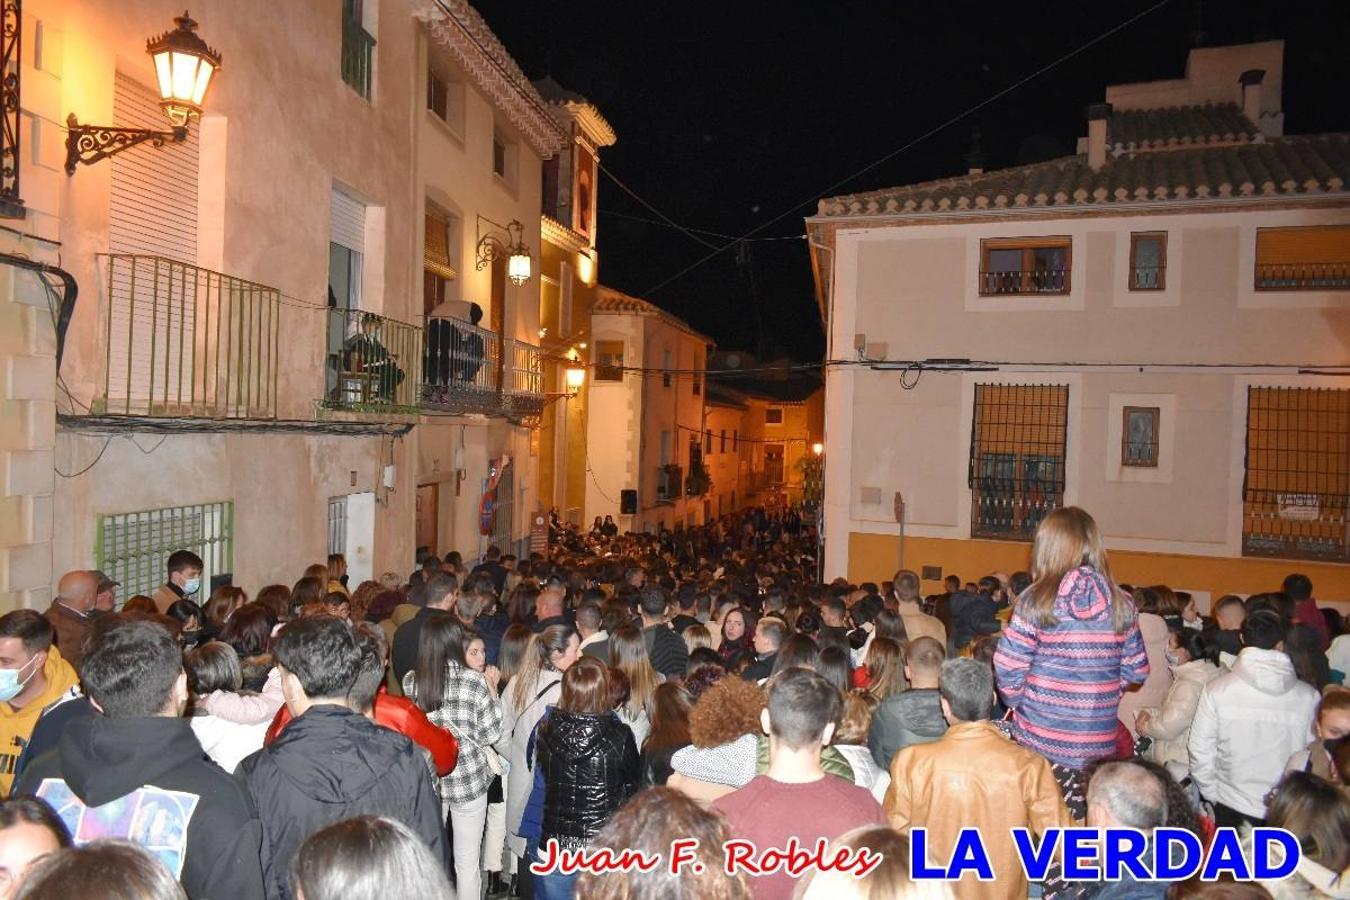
<point>70,627</point>
<point>974,776</point>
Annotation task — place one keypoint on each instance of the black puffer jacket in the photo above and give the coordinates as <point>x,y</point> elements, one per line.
<point>590,767</point>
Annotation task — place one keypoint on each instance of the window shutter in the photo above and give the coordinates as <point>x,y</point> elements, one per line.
<point>436,256</point>
<point>348,227</point>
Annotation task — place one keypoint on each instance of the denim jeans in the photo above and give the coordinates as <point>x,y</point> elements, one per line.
<point>554,885</point>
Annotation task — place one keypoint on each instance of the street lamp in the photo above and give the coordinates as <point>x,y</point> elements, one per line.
<point>817,448</point>
<point>185,66</point>
<point>491,246</point>
<point>575,378</point>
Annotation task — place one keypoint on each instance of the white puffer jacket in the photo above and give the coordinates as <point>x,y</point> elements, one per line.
<point>1247,725</point>
<point>1170,725</point>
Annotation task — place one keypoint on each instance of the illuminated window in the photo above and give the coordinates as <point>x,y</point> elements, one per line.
<point>1037,265</point>
<point>1303,259</point>
<point>1148,261</point>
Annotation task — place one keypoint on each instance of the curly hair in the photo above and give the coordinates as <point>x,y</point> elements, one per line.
<point>726,711</point>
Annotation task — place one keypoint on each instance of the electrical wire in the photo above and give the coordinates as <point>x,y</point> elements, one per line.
<point>106,443</point>
<point>667,220</point>
<point>717,234</point>
<point>915,141</point>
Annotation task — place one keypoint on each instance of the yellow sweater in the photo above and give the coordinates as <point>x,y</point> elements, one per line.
<point>16,725</point>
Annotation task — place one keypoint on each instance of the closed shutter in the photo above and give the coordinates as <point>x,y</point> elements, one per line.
<point>152,212</point>
<point>349,222</point>
<point>154,190</point>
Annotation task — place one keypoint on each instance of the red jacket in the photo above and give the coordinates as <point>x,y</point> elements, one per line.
<point>402,715</point>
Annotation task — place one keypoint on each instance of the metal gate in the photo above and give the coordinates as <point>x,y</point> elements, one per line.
<point>337,525</point>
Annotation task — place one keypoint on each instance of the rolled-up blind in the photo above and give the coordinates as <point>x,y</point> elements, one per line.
<point>436,256</point>
<point>348,222</point>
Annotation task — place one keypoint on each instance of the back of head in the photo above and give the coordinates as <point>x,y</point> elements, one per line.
<point>925,657</point>
<point>774,631</point>
<point>370,642</point>
<point>585,687</point>
<point>130,667</point>
<point>1298,587</point>
<point>890,880</point>
<point>727,709</point>
<point>1264,629</point>
<point>214,666</point>
<point>650,823</point>
<point>906,585</point>
<point>1122,793</point>
<point>439,588</point>
<point>32,811</point>
<point>588,617</point>
<point>321,653</point>
<point>797,650</point>
<point>1317,812</point>
<point>968,687</point>
<point>802,705</point>
<point>654,600</point>
<point>368,858</point>
<point>107,869</point>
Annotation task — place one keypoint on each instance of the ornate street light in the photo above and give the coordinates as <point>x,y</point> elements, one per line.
<point>184,68</point>
<point>575,378</point>
<point>491,246</point>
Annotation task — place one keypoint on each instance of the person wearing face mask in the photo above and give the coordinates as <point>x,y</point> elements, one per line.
<point>1194,661</point>
<point>185,579</point>
<point>1332,727</point>
<point>32,674</point>
<point>141,755</point>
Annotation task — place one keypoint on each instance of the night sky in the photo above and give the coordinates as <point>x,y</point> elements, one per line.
<point>734,113</point>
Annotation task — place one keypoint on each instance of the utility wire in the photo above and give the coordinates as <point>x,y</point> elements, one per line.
<point>927,134</point>
<point>667,220</point>
<point>796,238</point>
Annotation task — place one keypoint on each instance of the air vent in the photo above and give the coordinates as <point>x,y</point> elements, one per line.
<point>870,496</point>
<point>932,573</point>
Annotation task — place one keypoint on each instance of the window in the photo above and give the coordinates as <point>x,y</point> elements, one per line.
<point>736,441</point>
<point>438,273</point>
<point>358,48</point>
<point>132,547</point>
<point>1297,484</point>
<point>773,416</point>
<point>707,442</point>
<point>1025,266</point>
<point>1148,261</point>
<point>609,360</point>
<point>665,368</point>
<point>1139,436</point>
<point>1017,449</point>
<point>550,201</point>
<point>665,448</point>
<point>698,386</point>
<point>1303,259</point>
<point>438,95</point>
<point>498,156</point>
<point>723,446</point>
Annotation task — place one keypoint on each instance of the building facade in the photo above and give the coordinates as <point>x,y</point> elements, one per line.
<point>246,357</point>
<point>646,433</point>
<point>1154,329</point>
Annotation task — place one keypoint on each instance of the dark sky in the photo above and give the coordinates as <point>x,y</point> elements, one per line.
<point>730,114</point>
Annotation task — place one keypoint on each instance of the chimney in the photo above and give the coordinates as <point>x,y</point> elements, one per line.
<point>975,157</point>
<point>1098,114</point>
<point>1251,94</point>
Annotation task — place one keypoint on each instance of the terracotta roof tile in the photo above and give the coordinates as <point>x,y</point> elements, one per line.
<point>1289,166</point>
<point>1179,126</point>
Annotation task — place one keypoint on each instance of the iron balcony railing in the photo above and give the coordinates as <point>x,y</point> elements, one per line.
<point>525,372</point>
<point>1147,278</point>
<point>1303,276</point>
<point>372,362</point>
<point>1034,281</point>
<point>183,341</point>
<point>462,362</point>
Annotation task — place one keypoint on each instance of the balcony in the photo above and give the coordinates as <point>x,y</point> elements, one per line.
<point>471,370</point>
<point>371,363</point>
<point>1303,276</point>
<point>1032,281</point>
<point>669,484</point>
<point>186,342</point>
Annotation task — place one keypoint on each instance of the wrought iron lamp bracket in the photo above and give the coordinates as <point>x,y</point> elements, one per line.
<point>88,144</point>
<point>499,241</point>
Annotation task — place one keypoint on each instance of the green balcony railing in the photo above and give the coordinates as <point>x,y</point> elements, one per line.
<point>183,341</point>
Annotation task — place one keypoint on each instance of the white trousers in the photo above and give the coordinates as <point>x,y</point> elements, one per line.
<point>494,841</point>
<point>467,820</point>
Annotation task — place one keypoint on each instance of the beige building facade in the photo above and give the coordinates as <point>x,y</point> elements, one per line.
<point>1154,329</point>
<point>245,370</point>
<point>646,416</point>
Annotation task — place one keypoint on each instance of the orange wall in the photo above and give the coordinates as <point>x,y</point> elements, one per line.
<point>874,557</point>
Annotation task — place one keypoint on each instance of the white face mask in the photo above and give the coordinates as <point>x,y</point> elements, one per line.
<point>1172,659</point>
<point>11,685</point>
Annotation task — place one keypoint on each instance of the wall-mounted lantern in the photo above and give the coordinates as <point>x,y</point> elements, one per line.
<point>491,246</point>
<point>184,69</point>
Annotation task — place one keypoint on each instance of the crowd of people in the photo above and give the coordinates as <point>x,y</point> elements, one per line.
<point>454,732</point>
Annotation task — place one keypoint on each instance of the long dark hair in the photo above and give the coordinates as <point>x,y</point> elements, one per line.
<point>249,630</point>
<point>670,718</point>
<point>441,643</point>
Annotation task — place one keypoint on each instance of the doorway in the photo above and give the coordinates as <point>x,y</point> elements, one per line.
<point>428,514</point>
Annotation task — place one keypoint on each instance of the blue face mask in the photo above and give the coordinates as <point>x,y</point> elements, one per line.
<point>10,685</point>
<point>192,586</point>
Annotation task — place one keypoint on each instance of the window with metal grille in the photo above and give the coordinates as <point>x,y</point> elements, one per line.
<point>133,547</point>
<point>1148,261</point>
<point>358,48</point>
<point>1037,265</point>
<point>337,525</point>
<point>609,360</point>
<point>773,416</point>
<point>1314,257</point>
<point>1018,435</point>
<point>1296,487</point>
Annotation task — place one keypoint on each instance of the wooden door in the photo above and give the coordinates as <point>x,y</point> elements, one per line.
<point>428,511</point>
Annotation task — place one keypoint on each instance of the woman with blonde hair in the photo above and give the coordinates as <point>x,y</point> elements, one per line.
<point>628,654</point>
<point>696,636</point>
<point>1072,645</point>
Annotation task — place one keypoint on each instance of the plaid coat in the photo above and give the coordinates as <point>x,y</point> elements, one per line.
<point>471,712</point>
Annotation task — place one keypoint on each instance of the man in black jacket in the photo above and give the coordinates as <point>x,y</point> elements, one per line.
<point>138,772</point>
<point>440,592</point>
<point>770,632</point>
<point>331,763</point>
<point>665,648</point>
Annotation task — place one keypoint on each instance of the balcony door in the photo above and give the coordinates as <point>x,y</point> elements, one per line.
<point>773,463</point>
<point>346,251</point>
